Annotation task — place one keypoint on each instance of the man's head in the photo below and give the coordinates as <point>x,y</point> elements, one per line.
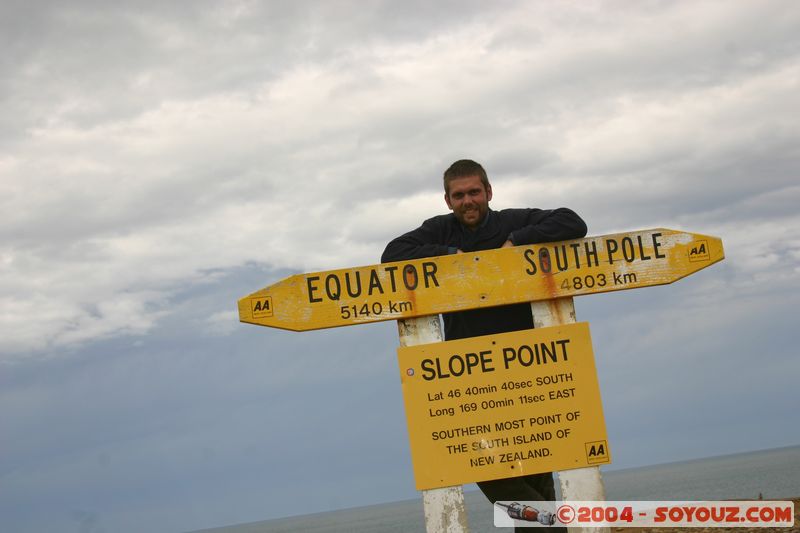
<point>467,192</point>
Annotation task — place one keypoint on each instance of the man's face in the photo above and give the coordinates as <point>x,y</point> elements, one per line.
<point>469,200</point>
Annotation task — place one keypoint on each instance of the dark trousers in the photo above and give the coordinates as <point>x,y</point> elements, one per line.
<point>533,487</point>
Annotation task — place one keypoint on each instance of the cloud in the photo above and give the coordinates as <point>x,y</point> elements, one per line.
<point>203,172</point>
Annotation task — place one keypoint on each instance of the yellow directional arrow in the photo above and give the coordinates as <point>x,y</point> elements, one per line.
<point>457,282</point>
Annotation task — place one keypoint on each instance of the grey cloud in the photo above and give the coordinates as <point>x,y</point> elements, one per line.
<point>387,144</point>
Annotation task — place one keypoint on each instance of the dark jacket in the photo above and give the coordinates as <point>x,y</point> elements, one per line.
<point>443,234</point>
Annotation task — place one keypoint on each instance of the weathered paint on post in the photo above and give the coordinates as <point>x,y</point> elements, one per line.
<point>444,508</point>
<point>580,484</point>
<point>458,282</point>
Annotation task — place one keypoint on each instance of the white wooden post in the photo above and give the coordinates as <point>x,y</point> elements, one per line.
<point>580,484</point>
<point>444,508</point>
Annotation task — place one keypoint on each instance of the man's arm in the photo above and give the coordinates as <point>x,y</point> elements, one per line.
<point>538,226</point>
<point>427,240</point>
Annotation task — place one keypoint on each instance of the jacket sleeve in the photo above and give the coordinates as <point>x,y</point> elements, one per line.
<point>426,241</point>
<point>548,226</point>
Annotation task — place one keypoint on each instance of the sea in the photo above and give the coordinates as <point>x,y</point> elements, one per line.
<point>769,474</point>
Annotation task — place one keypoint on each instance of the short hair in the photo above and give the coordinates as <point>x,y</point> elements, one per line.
<point>464,168</point>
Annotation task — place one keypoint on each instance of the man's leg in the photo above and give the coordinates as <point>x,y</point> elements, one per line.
<point>534,487</point>
<point>543,484</point>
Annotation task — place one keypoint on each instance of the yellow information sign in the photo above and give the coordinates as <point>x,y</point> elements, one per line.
<point>457,282</point>
<point>502,406</point>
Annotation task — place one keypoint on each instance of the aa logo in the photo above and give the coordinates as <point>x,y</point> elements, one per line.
<point>597,452</point>
<point>699,251</point>
<point>261,307</point>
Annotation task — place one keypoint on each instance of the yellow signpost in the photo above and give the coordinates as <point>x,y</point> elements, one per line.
<point>421,287</point>
<point>503,406</point>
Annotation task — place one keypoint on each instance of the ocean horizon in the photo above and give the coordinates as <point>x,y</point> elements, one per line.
<point>769,474</point>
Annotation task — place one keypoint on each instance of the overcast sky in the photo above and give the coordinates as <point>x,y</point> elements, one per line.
<point>160,160</point>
